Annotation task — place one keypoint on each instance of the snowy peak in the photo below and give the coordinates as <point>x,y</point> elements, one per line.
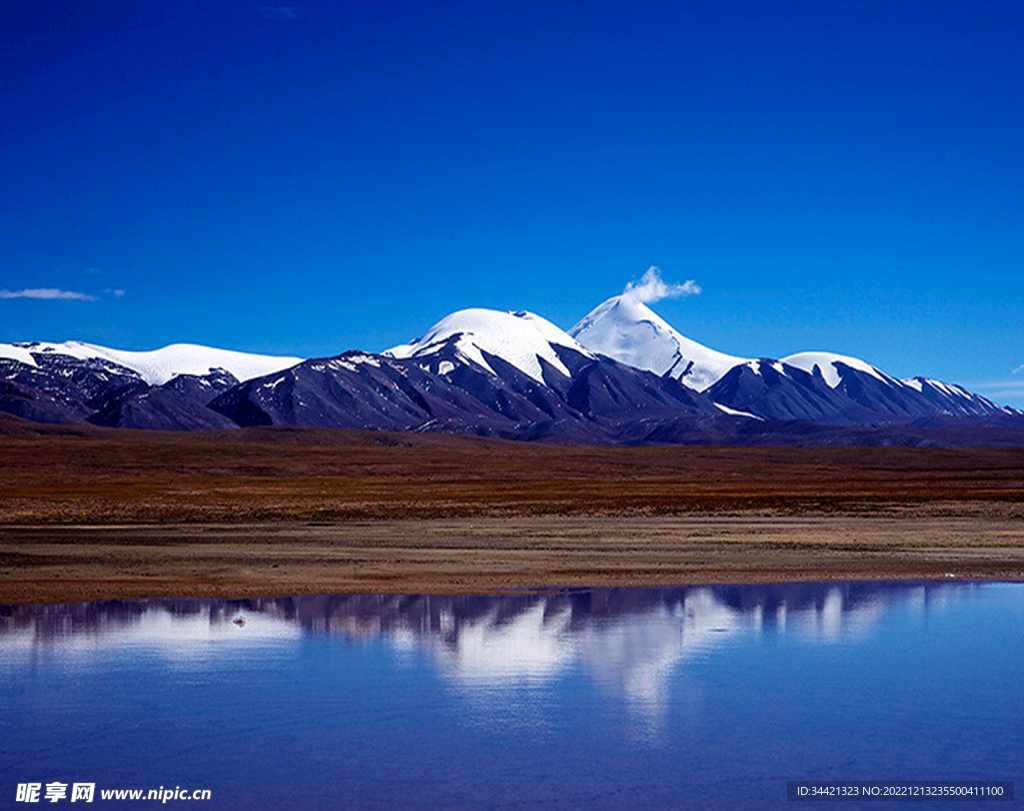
<point>622,375</point>
<point>157,366</point>
<point>830,366</point>
<point>626,329</point>
<point>521,339</point>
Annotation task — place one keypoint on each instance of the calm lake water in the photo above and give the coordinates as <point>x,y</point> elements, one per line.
<point>683,697</point>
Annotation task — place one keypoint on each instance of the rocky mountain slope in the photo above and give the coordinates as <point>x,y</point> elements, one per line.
<point>621,375</point>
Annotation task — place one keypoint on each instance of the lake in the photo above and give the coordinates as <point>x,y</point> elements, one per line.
<point>685,697</point>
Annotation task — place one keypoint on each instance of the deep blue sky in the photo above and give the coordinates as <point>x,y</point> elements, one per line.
<point>308,179</point>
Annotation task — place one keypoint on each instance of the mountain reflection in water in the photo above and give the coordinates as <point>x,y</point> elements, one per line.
<point>627,639</point>
<point>705,697</point>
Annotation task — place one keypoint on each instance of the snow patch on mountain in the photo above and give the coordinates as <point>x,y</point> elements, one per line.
<point>958,399</point>
<point>758,366</point>
<point>17,352</point>
<point>521,339</point>
<point>734,412</point>
<point>158,366</point>
<point>626,329</point>
<point>950,389</point>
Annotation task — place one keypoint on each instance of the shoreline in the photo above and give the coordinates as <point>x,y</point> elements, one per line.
<point>76,563</point>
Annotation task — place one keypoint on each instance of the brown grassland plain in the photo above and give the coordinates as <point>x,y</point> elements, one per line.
<point>102,514</point>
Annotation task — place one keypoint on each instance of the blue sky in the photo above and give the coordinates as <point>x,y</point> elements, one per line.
<point>312,178</point>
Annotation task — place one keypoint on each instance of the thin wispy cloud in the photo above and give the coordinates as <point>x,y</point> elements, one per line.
<point>999,385</point>
<point>1003,392</point>
<point>280,12</point>
<point>114,292</point>
<point>46,294</point>
<point>1019,369</point>
<point>652,287</point>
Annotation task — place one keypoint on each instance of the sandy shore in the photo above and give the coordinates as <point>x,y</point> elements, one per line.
<point>67,564</point>
<point>88,514</point>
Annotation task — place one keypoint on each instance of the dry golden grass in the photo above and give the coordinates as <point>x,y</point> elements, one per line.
<point>294,474</point>
<point>97,514</point>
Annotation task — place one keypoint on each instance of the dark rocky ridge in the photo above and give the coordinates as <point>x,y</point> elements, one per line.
<point>599,401</point>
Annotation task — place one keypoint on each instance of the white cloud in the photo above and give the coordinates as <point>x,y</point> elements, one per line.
<point>115,292</point>
<point>47,293</point>
<point>652,287</point>
<point>989,385</point>
<point>1018,370</point>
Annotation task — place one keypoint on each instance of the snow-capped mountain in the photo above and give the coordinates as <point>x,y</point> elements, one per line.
<point>883,394</point>
<point>166,388</point>
<point>955,400</point>
<point>833,367</point>
<point>813,386</point>
<point>837,389</point>
<point>512,375</point>
<point>625,328</point>
<point>623,375</point>
<point>521,339</point>
<point>156,366</point>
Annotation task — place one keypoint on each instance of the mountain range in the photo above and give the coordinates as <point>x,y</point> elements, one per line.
<point>621,375</point>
